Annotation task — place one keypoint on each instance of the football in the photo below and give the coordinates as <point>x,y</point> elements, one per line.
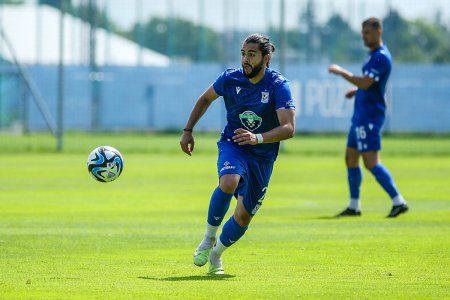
<point>105,163</point>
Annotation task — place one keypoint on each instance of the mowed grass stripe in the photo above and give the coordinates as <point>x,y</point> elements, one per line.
<point>63,235</point>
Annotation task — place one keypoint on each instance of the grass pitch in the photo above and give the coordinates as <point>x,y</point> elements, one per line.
<point>64,235</point>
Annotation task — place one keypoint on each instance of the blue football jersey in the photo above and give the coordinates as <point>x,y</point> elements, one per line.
<point>370,105</point>
<point>253,106</point>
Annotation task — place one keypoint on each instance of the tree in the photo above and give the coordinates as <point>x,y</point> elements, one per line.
<point>433,40</point>
<point>54,3</point>
<point>83,11</point>
<point>416,41</point>
<point>180,39</point>
<point>409,41</point>
<point>339,42</point>
<point>14,2</point>
<point>311,32</point>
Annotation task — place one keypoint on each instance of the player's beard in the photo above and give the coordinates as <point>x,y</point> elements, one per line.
<point>255,70</point>
<point>369,44</point>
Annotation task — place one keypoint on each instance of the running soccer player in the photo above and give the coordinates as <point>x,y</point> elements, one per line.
<point>364,138</point>
<point>260,114</point>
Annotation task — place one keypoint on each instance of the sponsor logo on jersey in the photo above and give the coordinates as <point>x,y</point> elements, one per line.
<point>250,120</point>
<point>227,166</point>
<point>264,97</point>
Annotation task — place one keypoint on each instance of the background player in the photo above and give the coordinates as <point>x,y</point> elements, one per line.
<point>364,138</point>
<point>260,114</point>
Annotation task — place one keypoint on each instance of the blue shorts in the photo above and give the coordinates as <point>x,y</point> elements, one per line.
<point>255,174</point>
<point>364,138</point>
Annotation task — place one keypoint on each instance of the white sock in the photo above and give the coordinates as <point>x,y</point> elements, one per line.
<point>216,254</point>
<point>398,200</point>
<point>218,248</point>
<point>216,260</point>
<point>211,231</point>
<point>210,237</point>
<point>354,204</point>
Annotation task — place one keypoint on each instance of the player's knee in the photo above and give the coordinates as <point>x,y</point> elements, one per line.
<point>242,217</point>
<point>369,164</point>
<point>352,158</point>
<point>228,184</point>
<point>351,162</point>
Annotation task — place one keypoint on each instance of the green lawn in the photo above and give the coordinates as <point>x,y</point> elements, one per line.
<point>65,236</point>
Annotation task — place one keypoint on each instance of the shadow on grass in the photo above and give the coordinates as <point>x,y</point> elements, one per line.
<point>328,218</point>
<point>189,278</point>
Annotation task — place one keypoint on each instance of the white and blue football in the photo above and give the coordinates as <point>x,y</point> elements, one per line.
<point>105,163</point>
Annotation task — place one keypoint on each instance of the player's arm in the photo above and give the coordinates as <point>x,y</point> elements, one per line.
<point>362,82</point>
<point>284,131</point>
<point>204,101</point>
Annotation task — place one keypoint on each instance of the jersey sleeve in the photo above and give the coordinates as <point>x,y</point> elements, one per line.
<point>219,84</point>
<point>283,96</point>
<point>377,67</point>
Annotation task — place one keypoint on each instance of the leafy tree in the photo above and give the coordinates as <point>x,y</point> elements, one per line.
<point>335,41</point>
<point>433,40</point>
<point>83,12</point>
<point>180,39</point>
<point>409,41</point>
<point>416,41</point>
<point>339,42</point>
<point>11,2</point>
<point>442,54</point>
<point>398,35</point>
<point>54,3</point>
<point>310,32</point>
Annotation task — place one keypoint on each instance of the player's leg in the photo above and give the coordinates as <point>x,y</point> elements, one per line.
<point>232,231</point>
<point>251,192</point>
<point>231,166</point>
<point>219,204</point>
<point>383,176</point>
<point>354,176</point>
<point>218,207</point>
<point>221,198</point>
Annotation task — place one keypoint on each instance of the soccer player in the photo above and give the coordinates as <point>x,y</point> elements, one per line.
<point>260,114</point>
<point>364,138</point>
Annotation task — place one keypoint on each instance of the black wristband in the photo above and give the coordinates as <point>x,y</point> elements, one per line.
<point>187,129</point>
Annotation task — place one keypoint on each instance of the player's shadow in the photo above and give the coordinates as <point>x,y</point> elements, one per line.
<point>327,218</point>
<point>191,278</point>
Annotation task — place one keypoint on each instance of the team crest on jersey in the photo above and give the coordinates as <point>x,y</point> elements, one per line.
<point>250,120</point>
<point>264,97</point>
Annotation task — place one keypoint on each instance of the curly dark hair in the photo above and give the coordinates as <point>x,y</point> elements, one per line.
<point>265,46</point>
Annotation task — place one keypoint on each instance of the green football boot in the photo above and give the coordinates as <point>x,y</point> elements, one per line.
<point>216,269</point>
<point>201,256</point>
